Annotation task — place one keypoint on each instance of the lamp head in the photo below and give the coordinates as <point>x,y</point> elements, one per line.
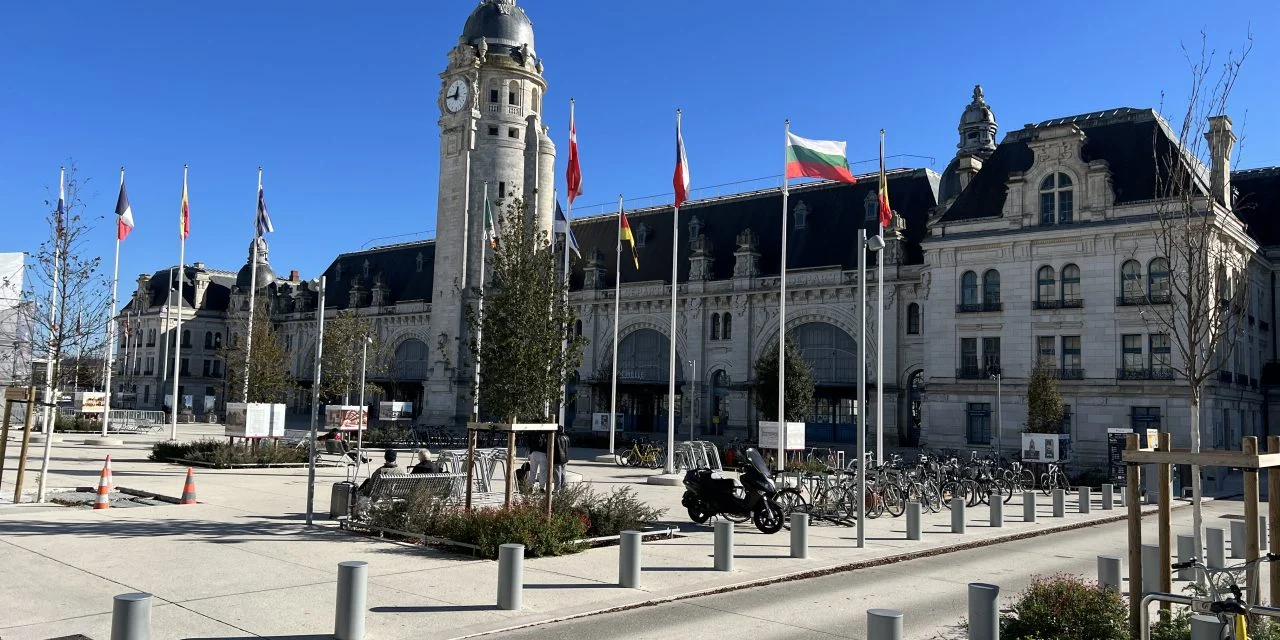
<point>875,243</point>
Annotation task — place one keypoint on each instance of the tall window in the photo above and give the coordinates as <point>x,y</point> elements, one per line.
<point>186,339</point>
<point>969,355</point>
<point>1046,347</point>
<point>1143,418</point>
<point>913,319</point>
<point>1056,200</point>
<point>990,355</point>
<point>1071,353</point>
<point>208,368</point>
<point>208,339</point>
<point>1131,346</point>
<point>726,332</point>
<point>1131,280</point>
<point>1158,280</point>
<point>217,340</point>
<point>1159,347</point>
<point>969,288</point>
<point>991,287</point>
<point>978,428</point>
<point>151,337</point>
<point>1046,285</point>
<point>513,93</point>
<point>715,326</point>
<point>186,367</point>
<point>1071,284</point>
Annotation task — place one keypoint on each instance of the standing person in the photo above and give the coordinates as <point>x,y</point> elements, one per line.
<point>561,456</point>
<point>538,460</point>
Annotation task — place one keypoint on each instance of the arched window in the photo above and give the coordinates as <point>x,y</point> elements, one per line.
<point>969,288</point>
<point>208,339</point>
<point>1131,281</point>
<point>1071,294</point>
<point>577,327</point>
<point>913,319</point>
<point>991,287</point>
<point>151,337</point>
<point>1046,286</point>
<point>217,340</point>
<point>1158,286</point>
<point>513,93</point>
<point>1056,200</point>
<point>726,332</point>
<point>715,326</point>
<point>536,103</point>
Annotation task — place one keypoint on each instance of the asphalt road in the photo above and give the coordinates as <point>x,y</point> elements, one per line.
<point>930,591</point>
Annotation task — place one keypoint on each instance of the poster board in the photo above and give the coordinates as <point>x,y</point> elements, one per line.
<point>794,435</point>
<point>600,422</point>
<point>89,402</point>
<point>255,420</point>
<point>1046,447</point>
<point>395,411</point>
<point>345,417</point>
<point>1117,438</point>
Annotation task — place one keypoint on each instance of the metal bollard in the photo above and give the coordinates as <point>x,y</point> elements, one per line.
<point>1028,506</point>
<point>1216,553</point>
<point>1186,551</point>
<point>800,534</point>
<point>884,624</point>
<point>1151,562</point>
<point>1238,542</point>
<point>957,515</point>
<point>724,545</point>
<point>997,511</point>
<point>1108,497</point>
<point>1109,573</point>
<point>1059,503</point>
<point>131,617</point>
<point>1124,497</point>
<point>629,559</point>
<point>1262,533</point>
<point>913,521</point>
<point>1086,500</point>
<point>353,590</point>
<point>1204,627</point>
<point>984,614</point>
<point>510,576</point>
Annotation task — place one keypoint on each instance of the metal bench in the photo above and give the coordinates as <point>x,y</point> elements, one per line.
<point>389,488</point>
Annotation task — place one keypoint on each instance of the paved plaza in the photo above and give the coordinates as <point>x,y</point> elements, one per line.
<point>242,563</point>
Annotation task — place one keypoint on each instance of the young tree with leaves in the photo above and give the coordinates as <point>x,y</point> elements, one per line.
<point>344,342</point>
<point>269,378</point>
<point>799,384</point>
<point>525,318</point>
<point>1044,400</point>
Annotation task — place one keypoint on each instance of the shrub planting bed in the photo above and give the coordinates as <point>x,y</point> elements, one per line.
<point>221,455</point>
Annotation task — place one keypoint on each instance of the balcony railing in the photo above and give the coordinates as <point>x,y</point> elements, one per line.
<point>1141,299</point>
<point>1242,379</point>
<point>980,307</point>
<point>1145,373</point>
<point>1070,373</point>
<point>1077,303</point>
<point>970,373</point>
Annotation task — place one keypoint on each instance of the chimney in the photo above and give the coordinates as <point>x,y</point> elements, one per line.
<point>198,265</point>
<point>293,276</point>
<point>1221,142</point>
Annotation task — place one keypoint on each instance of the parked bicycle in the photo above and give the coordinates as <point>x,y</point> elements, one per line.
<point>1225,597</point>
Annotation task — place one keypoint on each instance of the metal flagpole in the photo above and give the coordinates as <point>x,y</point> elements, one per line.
<point>617,299</point>
<point>315,405</point>
<point>782,313</point>
<point>475,396</point>
<point>164,339</point>
<point>862,387</point>
<point>177,333</point>
<point>253,296</point>
<point>671,370</point>
<point>880,255</point>
<point>52,351</point>
<point>111,327</point>
<point>564,342</point>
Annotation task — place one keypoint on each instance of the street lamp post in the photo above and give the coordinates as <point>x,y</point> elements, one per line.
<point>315,406</point>
<point>364,411</point>
<point>874,244</point>
<point>693,397</point>
<point>996,374</point>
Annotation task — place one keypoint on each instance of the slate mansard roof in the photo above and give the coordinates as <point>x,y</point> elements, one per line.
<point>1257,202</point>
<point>162,284</point>
<point>395,266</point>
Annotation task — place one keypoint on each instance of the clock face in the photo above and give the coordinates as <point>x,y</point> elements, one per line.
<point>455,98</point>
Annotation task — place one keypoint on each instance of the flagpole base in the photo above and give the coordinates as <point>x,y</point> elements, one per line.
<point>608,458</point>
<point>667,479</point>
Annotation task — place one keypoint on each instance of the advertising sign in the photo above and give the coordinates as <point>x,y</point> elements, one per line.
<point>395,410</point>
<point>256,420</point>
<point>1046,447</point>
<point>794,436</point>
<point>600,422</point>
<point>1116,437</point>
<point>89,402</point>
<point>344,417</point>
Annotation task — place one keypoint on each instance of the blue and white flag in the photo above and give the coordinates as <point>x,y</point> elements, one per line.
<point>562,226</point>
<point>264,220</point>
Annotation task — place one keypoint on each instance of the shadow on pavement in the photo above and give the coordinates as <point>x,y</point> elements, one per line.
<point>585,585</point>
<point>444,608</point>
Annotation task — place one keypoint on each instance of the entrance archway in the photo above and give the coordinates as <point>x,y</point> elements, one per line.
<point>832,354</point>
<point>643,375</point>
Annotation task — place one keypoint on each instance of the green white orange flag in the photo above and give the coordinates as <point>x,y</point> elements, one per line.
<point>817,159</point>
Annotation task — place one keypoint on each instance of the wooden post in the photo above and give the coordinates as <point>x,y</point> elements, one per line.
<point>551,470</point>
<point>511,464</point>
<point>1273,509</point>
<point>1166,530</point>
<point>1134,504</point>
<point>1251,515</point>
<point>26,442</point>
<point>4,435</point>
<point>471,463</point>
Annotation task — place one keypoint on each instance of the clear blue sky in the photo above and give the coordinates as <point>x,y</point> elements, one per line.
<point>337,100</point>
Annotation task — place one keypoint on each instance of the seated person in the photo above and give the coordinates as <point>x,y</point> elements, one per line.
<point>388,466</point>
<point>340,445</point>
<point>425,463</point>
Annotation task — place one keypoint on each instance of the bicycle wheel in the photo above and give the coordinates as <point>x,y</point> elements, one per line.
<point>1026,480</point>
<point>1046,484</point>
<point>951,490</point>
<point>972,493</point>
<point>984,490</point>
<point>930,497</point>
<point>894,502</point>
<point>623,458</point>
<point>790,500</point>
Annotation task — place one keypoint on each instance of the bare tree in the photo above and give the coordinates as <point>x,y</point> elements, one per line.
<point>1200,305</point>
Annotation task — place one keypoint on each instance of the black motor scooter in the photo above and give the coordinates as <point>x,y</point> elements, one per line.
<point>706,496</point>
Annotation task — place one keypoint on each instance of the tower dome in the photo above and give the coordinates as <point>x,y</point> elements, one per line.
<point>978,127</point>
<point>500,23</point>
<point>265,275</point>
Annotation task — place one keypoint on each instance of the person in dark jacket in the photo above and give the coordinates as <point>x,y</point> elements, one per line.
<point>425,463</point>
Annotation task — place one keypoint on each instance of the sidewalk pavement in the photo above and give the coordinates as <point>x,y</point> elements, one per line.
<point>244,564</point>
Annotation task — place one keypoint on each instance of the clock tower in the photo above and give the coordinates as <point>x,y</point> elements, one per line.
<point>491,136</point>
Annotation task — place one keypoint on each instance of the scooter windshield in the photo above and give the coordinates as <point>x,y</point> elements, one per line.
<point>758,462</point>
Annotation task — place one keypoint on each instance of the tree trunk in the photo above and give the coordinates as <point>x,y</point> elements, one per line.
<point>1197,521</point>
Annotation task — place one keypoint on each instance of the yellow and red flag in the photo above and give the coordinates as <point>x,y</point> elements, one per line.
<point>624,233</point>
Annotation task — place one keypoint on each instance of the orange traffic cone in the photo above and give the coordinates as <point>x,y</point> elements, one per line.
<point>189,489</point>
<point>103,500</point>
<point>111,483</point>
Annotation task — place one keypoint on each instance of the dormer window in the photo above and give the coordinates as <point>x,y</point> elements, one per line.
<point>695,227</point>
<point>366,268</point>
<point>642,235</point>
<point>800,215</point>
<point>1057,204</point>
<point>419,261</point>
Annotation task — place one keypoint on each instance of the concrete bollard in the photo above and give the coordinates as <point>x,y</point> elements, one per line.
<point>353,591</point>
<point>1186,551</point>
<point>1262,533</point>
<point>1238,542</point>
<point>997,511</point>
<point>510,576</point>
<point>1109,573</point>
<point>984,612</point>
<point>1151,562</point>
<point>629,559</point>
<point>724,545</point>
<point>131,617</point>
<point>1028,506</point>
<point>800,534</point>
<point>957,515</point>
<point>1108,497</point>
<point>1215,541</point>
<point>1059,503</point>
<point>1086,500</point>
<point>913,521</point>
<point>884,624</point>
<point>1124,497</point>
<point>1205,627</point>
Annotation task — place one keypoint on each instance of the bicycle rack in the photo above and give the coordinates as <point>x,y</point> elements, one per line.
<point>1197,605</point>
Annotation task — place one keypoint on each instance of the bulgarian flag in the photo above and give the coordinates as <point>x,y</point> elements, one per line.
<point>681,178</point>
<point>817,159</point>
<point>624,233</point>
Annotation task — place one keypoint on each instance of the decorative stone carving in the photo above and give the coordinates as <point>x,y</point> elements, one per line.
<point>593,275</point>
<point>700,260</point>
<point>482,50</point>
<point>746,258</point>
